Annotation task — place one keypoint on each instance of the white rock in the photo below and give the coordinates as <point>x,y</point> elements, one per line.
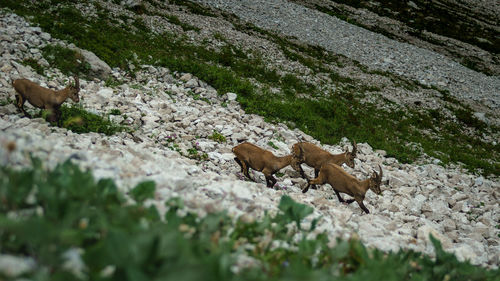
<point>231,96</point>
<point>105,94</point>
<point>45,36</point>
<point>241,191</point>
<point>423,233</point>
<point>192,83</point>
<point>97,66</point>
<point>464,252</point>
<point>479,181</point>
<point>416,204</point>
<point>72,262</point>
<point>12,266</point>
<point>448,225</point>
<point>186,77</point>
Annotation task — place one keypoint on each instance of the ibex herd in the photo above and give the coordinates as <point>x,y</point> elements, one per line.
<point>327,168</point>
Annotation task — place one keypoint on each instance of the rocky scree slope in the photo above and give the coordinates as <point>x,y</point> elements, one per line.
<point>324,74</point>
<point>216,29</point>
<point>173,116</point>
<point>464,31</point>
<point>371,49</point>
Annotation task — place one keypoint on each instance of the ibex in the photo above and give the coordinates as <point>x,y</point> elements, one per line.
<point>312,155</point>
<point>251,156</point>
<point>44,98</point>
<point>341,181</point>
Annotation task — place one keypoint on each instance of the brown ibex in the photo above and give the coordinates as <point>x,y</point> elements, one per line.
<point>251,156</point>
<point>312,155</point>
<point>44,98</point>
<point>341,181</point>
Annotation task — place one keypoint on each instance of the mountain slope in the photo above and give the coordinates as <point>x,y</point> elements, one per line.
<point>183,127</point>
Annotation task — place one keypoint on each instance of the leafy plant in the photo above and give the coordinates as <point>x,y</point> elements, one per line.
<point>108,238</point>
<point>112,82</point>
<point>115,111</point>
<point>6,101</point>
<point>143,191</point>
<point>194,153</point>
<point>78,120</point>
<point>292,211</point>
<point>218,137</point>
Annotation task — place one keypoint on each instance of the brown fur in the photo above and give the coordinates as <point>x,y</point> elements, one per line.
<point>341,181</point>
<point>312,155</point>
<point>251,156</point>
<point>44,98</point>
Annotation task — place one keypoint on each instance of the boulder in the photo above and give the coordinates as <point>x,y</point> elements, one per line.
<point>98,68</point>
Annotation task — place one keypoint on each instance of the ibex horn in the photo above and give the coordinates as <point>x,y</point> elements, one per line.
<point>381,173</point>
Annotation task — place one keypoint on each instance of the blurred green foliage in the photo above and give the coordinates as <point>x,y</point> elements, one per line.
<point>45,214</point>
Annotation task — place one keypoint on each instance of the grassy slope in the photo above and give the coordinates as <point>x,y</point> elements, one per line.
<point>327,118</point>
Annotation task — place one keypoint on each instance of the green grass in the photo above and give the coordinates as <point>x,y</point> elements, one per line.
<point>119,240</point>
<point>327,118</point>
<point>6,101</point>
<point>218,137</point>
<point>35,65</point>
<point>186,27</point>
<point>115,111</point>
<point>79,120</point>
<point>66,60</point>
<point>271,144</point>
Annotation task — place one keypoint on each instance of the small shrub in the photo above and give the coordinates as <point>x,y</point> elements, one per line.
<point>112,82</point>
<point>115,111</point>
<point>467,117</point>
<point>6,101</point>
<point>78,120</point>
<point>218,137</point>
<point>195,154</point>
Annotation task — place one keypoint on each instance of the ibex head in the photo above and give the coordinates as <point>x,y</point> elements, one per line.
<point>74,90</point>
<point>376,181</point>
<point>351,155</point>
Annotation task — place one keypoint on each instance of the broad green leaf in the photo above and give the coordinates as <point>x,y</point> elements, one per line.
<point>144,190</point>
